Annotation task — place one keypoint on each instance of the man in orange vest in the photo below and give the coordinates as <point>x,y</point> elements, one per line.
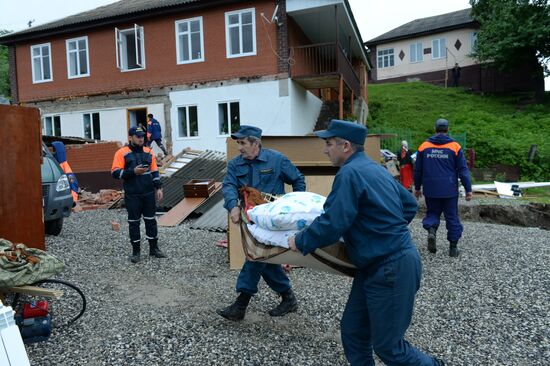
<point>60,155</point>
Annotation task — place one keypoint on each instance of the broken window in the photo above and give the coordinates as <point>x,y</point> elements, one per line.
<point>229,119</point>
<point>189,40</point>
<point>240,33</point>
<point>130,48</point>
<point>188,122</point>
<point>439,48</point>
<point>77,57</point>
<point>52,125</point>
<point>92,128</point>
<point>41,63</point>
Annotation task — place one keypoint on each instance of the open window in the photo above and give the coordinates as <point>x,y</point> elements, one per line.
<point>130,48</point>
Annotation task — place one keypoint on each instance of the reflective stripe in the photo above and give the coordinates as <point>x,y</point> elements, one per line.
<point>146,173</point>
<point>149,238</point>
<point>156,178</point>
<point>138,220</point>
<point>149,218</point>
<point>136,241</point>
<point>121,171</point>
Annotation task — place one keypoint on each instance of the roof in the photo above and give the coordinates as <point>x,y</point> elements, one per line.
<point>429,25</point>
<point>108,14</point>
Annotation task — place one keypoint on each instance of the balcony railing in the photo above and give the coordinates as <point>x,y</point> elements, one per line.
<point>323,59</point>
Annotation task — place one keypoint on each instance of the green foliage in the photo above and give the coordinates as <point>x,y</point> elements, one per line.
<point>498,130</point>
<point>4,69</point>
<point>512,32</point>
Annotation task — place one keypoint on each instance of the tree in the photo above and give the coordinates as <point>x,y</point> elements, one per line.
<point>513,33</point>
<point>4,69</point>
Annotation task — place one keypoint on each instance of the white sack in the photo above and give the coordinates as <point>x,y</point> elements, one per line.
<point>268,237</point>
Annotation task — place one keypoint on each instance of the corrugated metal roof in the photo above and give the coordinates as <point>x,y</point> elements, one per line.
<point>426,25</point>
<point>209,165</point>
<point>214,219</point>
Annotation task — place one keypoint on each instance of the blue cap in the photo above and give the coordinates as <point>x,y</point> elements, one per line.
<point>441,124</point>
<point>136,131</point>
<point>246,131</point>
<point>350,131</point>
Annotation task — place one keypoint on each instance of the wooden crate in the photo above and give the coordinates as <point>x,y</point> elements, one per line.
<point>198,188</point>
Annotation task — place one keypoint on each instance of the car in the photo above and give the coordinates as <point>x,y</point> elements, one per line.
<point>56,193</point>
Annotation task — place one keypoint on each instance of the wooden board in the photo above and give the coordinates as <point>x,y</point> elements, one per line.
<point>179,212</point>
<point>34,291</point>
<point>21,212</point>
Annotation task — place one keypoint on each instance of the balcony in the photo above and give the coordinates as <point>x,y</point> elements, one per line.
<point>321,65</point>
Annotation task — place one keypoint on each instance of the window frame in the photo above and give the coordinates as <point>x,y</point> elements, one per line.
<point>77,39</point>
<point>188,33</point>
<point>92,129</point>
<point>228,37</point>
<point>52,118</point>
<point>120,46</point>
<point>228,102</point>
<point>415,45</point>
<point>188,137</point>
<point>40,46</point>
<point>473,41</point>
<point>438,40</point>
<point>388,55</point>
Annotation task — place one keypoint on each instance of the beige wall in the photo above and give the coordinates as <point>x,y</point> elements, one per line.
<point>405,67</point>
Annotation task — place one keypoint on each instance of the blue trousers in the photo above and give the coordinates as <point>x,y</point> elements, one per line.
<point>272,274</point>
<point>449,207</point>
<point>379,311</point>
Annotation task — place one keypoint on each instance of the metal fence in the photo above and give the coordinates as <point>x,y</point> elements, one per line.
<point>414,139</point>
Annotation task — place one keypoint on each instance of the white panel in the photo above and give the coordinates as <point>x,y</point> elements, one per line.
<point>305,109</point>
<point>295,5</point>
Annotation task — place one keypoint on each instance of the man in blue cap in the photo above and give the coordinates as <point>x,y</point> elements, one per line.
<point>371,211</point>
<point>266,170</point>
<point>439,163</point>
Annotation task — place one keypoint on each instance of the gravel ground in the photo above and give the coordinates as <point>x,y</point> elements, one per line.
<point>489,307</point>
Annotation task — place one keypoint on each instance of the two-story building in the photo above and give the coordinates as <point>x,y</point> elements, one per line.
<point>427,49</point>
<point>201,67</point>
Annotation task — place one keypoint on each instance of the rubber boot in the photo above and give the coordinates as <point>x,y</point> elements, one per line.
<point>154,250</point>
<point>289,304</point>
<point>237,310</point>
<point>432,248</point>
<point>134,258</point>
<point>453,250</point>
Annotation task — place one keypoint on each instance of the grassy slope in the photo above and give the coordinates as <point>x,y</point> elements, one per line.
<point>500,129</point>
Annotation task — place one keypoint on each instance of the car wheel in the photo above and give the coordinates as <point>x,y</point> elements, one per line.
<point>54,227</point>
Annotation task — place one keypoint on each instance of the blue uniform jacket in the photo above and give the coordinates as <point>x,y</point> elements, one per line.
<point>270,170</point>
<point>439,163</point>
<point>154,129</point>
<point>368,208</point>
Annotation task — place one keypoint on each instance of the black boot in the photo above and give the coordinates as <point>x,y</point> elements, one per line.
<point>236,310</point>
<point>453,250</point>
<point>289,304</point>
<point>432,248</point>
<point>134,258</point>
<point>154,250</point>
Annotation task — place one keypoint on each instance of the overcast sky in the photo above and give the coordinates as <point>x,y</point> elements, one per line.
<point>373,17</point>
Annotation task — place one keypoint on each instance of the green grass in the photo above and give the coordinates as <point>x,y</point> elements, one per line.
<point>501,129</point>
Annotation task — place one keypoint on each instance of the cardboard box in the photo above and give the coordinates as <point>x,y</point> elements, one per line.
<point>198,188</point>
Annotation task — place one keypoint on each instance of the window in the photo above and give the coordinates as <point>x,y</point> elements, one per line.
<point>473,41</point>
<point>52,126</point>
<point>385,58</point>
<point>130,49</point>
<point>229,118</point>
<point>188,122</point>
<point>77,57</point>
<point>240,33</point>
<point>41,63</point>
<point>189,41</point>
<point>92,129</point>
<point>439,48</point>
<point>416,52</point>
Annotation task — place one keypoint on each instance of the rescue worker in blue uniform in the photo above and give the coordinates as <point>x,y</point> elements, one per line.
<point>137,166</point>
<point>371,211</point>
<point>154,133</point>
<point>439,163</point>
<point>266,170</point>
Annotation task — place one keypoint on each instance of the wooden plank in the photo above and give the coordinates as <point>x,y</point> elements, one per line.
<point>235,246</point>
<point>35,291</point>
<point>179,212</point>
<point>21,212</point>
